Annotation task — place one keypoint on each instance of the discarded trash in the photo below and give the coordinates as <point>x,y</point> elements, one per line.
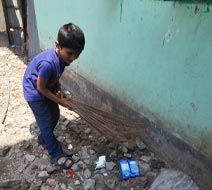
<point>101,162</point>
<point>105,174</point>
<point>134,169</point>
<point>125,169</point>
<point>129,168</point>
<point>70,173</point>
<point>70,146</point>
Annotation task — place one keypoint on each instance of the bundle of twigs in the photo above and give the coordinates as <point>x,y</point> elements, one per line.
<point>113,126</point>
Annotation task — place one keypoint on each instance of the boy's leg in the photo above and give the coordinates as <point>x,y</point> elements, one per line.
<point>55,112</point>
<point>45,121</point>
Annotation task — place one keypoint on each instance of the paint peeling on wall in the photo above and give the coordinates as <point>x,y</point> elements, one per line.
<point>167,36</point>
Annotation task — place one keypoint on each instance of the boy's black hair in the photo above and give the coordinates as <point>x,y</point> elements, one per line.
<point>71,36</point>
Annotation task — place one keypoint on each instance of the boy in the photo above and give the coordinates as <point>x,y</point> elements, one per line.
<point>42,89</point>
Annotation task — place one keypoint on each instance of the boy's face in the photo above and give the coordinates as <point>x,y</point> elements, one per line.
<point>67,55</point>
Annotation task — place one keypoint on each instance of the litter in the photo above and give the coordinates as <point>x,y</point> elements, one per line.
<point>70,146</point>
<point>125,169</point>
<point>70,173</point>
<point>134,169</point>
<point>129,168</point>
<point>101,162</point>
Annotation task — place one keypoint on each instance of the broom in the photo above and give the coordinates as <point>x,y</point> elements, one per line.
<point>115,127</point>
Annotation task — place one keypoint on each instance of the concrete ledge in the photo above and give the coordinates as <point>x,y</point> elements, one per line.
<point>176,153</point>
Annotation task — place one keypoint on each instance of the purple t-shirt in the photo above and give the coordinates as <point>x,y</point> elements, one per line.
<point>47,65</point>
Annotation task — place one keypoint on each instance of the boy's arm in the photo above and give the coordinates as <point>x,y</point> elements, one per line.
<point>59,91</point>
<point>41,86</point>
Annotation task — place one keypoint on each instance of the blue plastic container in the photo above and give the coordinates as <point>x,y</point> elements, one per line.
<point>134,169</point>
<point>125,169</point>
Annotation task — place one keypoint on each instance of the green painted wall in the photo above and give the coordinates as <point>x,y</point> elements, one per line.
<point>154,55</point>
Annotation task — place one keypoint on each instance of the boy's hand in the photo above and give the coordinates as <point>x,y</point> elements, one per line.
<point>65,102</point>
<point>60,94</point>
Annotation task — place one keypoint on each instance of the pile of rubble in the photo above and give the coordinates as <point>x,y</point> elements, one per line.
<point>30,163</point>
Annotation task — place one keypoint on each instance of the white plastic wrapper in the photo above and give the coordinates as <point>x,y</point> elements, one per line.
<point>101,162</point>
<point>70,146</point>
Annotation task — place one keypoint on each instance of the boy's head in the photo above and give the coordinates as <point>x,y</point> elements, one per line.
<point>70,42</point>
